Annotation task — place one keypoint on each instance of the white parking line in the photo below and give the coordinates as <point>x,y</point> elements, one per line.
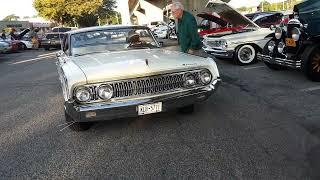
<point>34,59</point>
<point>254,67</point>
<point>41,55</point>
<point>311,89</point>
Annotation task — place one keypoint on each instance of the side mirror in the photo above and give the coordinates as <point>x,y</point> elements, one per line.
<point>272,27</point>
<point>161,43</point>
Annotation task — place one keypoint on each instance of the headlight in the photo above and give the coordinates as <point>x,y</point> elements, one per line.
<point>205,77</point>
<point>271,46</point>
<point>83,94</point>
<point>281,47</point>
<point>224,44</point>
<point>278,33</point>
<point>296,34</point>
<point>105,92</point>
<point>189,80</point>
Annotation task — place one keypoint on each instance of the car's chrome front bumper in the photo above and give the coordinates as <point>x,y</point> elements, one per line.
<point>280,61</point>
<point>219,53</point>
<point>128,108</point>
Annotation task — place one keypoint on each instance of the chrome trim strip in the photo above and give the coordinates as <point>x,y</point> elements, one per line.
<point>280,61</point>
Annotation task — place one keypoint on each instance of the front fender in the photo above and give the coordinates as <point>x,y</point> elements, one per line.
<point>270,35</point>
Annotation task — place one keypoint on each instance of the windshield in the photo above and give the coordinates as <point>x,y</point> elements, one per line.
<point>111,40</point>
<point>228,14</point>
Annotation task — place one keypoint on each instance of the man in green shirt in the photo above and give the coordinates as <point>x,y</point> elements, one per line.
<point>188,36</point>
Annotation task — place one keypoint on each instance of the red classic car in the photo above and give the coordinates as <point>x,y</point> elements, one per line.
<point>220,25</point>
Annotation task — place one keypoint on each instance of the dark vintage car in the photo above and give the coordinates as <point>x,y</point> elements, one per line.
<point>52,40</point>
<point>298,44</point>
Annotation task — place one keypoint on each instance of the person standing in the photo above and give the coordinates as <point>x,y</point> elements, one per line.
<point>3,35</point>
<point>188,36</point>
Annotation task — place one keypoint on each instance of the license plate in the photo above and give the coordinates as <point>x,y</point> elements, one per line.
<point>290,42</point>
<point>149,108</point>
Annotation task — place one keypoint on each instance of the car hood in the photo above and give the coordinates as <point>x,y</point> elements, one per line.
<point>213,18</point>
<point>229,14</point>
<point>101,67</point>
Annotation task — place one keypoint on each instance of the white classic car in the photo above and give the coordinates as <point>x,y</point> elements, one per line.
<point>241,44</point>
<point>120,71</point>
<point>4,46</point>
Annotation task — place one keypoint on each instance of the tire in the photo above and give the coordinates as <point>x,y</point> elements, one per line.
<point>47,48</point>
<point>311,63</point>
<point>187,109</point>
<point>24,47</point>
<point>246,55</point>
<point>77,126</point>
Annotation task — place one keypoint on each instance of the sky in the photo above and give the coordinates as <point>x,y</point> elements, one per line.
<point>18,7</point>
<point>24,7</point>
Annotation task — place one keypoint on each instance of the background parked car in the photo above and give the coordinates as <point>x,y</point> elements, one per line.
<point>52,40</point>
<point>164,30</point>
<point>4,46</point>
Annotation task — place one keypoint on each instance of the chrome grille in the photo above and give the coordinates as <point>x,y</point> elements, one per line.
<point>147,86</point>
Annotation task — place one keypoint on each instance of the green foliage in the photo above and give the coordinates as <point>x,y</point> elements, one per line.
<point>287,5</point>
<point>54,10</point>
<point>85,13</point>
<point>11,17</point>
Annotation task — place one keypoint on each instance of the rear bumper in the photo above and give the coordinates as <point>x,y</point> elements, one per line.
<point>219,53</point>
<point>280,61</point>
<point>128,108</point>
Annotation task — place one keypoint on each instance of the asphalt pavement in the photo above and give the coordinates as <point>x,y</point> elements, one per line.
<point>261,124</point>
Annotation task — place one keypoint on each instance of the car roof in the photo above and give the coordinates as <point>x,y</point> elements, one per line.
<point>108,27</point>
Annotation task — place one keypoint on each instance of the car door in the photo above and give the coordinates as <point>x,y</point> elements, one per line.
<point>62,57</point>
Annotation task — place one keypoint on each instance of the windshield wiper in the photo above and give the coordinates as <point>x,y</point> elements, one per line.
<point>95,52</point>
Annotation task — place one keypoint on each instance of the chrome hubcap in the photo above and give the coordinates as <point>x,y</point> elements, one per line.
<point>246,54</point>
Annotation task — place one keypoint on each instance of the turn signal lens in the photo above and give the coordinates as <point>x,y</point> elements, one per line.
<point>278,33</point>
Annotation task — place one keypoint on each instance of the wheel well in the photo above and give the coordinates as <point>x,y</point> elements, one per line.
<point>308,50</point>
<point>256,47</point>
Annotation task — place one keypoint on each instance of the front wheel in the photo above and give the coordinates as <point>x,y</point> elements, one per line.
<point>77,126</point>
<point>311,64</point>
<point>246,55</point>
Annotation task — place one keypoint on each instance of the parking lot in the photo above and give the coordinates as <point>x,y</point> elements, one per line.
<point>261,124</point>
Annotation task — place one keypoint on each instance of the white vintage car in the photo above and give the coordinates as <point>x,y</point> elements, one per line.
<point>120,71</point>
<point>243,43</point>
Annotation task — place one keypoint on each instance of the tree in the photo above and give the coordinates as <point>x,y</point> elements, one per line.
<point>85,13</point>
<point>11,17</point>
<point>54,10</point>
